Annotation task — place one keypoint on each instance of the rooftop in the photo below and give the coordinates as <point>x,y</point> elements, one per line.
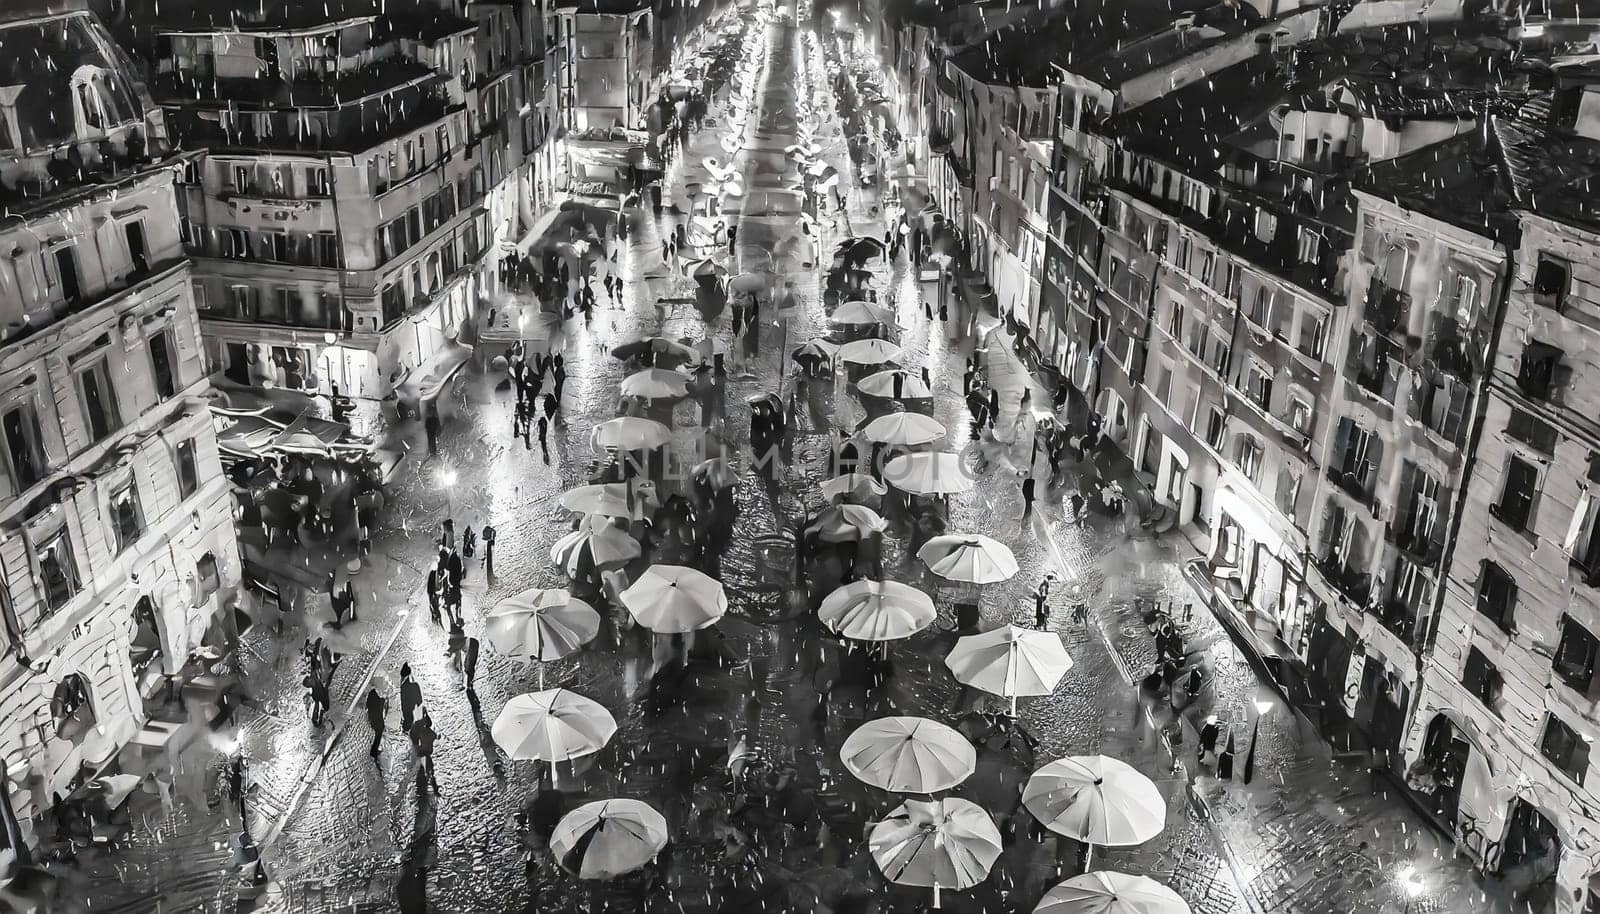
<point>1547,169</point>
<point>40,62</point>
<point>1457,181</point>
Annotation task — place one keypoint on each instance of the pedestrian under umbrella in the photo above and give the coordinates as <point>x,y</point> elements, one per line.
<point>608,838</point>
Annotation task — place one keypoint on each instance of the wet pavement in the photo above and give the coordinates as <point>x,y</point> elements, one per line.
<point>345,833</point>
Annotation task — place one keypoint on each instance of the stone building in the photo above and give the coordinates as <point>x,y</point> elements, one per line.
<point>606,63</point>
<point>1505,716</point>
<point>117,553</point>
<point>338,219</point>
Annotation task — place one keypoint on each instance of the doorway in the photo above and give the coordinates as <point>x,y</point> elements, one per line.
<point>238,370</point>
<point>138,253</point>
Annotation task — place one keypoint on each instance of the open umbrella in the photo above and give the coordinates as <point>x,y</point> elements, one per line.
<point>971,558</point>
<point>540,624</point>
<point>598,541</point>
<point>629,433</point>
<point>869,352</point>
<point>718,472</point>
<point>1097,800</point>
<point>655,384</point>
<point>552,726</point>
<point>750,282</point>
<point>860,312</point>
<point>928,474</point>
<point>942,844</point>
<point>815,352</point>
<point>857,488</point>
<point>705,269</point>
<point>845,523</point>
<point>610,499</point>
<point>877,611</point>
<point>1010,662</point>
<point>672,599</point>
<point>608,838</point>
<point>881,384</point>
<point>909,429</point>
<point>859,249</point>
<point>1106,892</point>
<point>908,755</point>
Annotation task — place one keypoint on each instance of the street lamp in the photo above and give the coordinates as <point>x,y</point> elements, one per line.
<point>1412,885</point>
<point>447,479</point>
<point>1262,707</point>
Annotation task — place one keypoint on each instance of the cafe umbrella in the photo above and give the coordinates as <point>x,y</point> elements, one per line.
<point>1010,661</point>
<point>1097,800</point>
<point>942,844</point>
<point>908,755</point>
<point>673,599</point>
<point>1109,892</point>
<point>608,838</point>
<point>876,611</point>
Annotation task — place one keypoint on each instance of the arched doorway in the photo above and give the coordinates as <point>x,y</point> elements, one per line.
<point>1441,766</point>
<point>1530,855</point>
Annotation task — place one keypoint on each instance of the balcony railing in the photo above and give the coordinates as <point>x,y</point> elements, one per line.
<point>1419,546</point>
<point>1388,310</point>
<point>1354,481</point>
<point>1400,619</point>
<point>1353,585</point>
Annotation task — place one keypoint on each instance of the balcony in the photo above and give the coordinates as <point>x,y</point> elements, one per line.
<point>1355,586</point>
<point>352,130</point>
<point>1399,619</point>
<point>331,90</point>
<point>1388,310</point>
<point>1421,547</point>
<point>1355,481</point>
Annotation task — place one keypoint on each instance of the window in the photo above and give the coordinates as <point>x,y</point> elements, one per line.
<point>1536,374</point>
<point>1258,386</point>
<point>237,244</point>
<point>1249,456</point>
<point>207,581</point>
<point>1531,430</point>
<point>58,574</point>
<point>161,364</point>
<point>411,157</point>
<point>244,179</point>
<point>1208,267</point>
<point>61,273</point>
<point>127,523</point>
<point>99,400</point>
<point>1516,494</point>
<point>1463,298</point>
<point>187,468</point>
<point>1180,251</point>
<point>1313,335</point>
<point>1565,748</point>
<point>1481,678</point>
<point>1216,420</point>
<point>24,447</point>
<point>1575,655</point>
<point>1551,280</point>
<point>1260,305</point>
<point>1310,245</point>
<point>1287,492</point>
<point>1163,385</point>
<point>1497,596</point>
<point>1300,415</point>
<point>1232,280</point>
<point>317,181</point>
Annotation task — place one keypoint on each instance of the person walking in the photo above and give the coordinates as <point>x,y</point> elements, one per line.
<point>544,438</point>
<point>469,665</point>
<point>377,710</point>
<point>422,740</point>
<point>1041,607</point>
<point>238,777</point>
<point>410,698</point>
<point>559,373</point>
<point>1028,487</point>
<point>733,235</point>
<point>551,404</point>
<point>488,549</point>
<point>435,589</point>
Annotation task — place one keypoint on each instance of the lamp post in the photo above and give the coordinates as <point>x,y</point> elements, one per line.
<point>447,479</point>
<point>1262,707</point>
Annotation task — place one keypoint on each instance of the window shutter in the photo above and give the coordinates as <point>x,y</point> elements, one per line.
<point>1580,514</point>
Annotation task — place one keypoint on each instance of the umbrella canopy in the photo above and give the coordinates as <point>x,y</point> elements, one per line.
<point>629,433</point>
<point>860,312</point>
<point>541,624</point>
<point>944,844</point>
<point>610,499</point>
<point>1095,799</point>
<point>1010,661</point>
<point>908,755</point>
<point>877,611</point>
<point>816,351</point>
<point>881,384</point>
<point>553,726</point>
<point>855,487</point>
<point>750,282</point>
<point>655,383</point>
<point>608,838</point>
<point>910,429</point>
<point>1105,892</point>
<point>606,546</point>
<point>704,269</point>
<point>869,352</point>
<point>672,599</point>
<point>845,523</point>
<point>663,349</point>
<point>928,474</point>
<point>719,473</point>
<point>968,557</point>
<point>861,248</point>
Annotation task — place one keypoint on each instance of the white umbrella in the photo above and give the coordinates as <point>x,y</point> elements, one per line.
<point>1010,661</point>
<point>860,312</point>
<point>629,433</point>
<point>541,624</point>
<point>1106,892</point>
<point>869,352</point>
<point>971,558</point>
<point>553,726</point>
<point>1096,800</point>
<point>928,474</point>
<point>610,499</point>
<point>910,429</point>
<point>881,384</point>
<point>858,487</point>
<point>943,844</point>
<point>608,838</point>
<point>654,384</point>
<point>877,611</point>
<point>750,282</point>
<point>908,755</point>
<point>606,546</point>
<point>672,599</point>
<point>845,523</point>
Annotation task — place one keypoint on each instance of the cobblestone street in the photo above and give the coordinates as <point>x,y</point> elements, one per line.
<point>341,832</point>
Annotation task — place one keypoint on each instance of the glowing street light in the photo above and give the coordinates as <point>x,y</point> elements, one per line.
<point>1262,707</point>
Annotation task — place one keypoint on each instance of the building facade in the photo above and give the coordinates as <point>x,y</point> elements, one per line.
<point>339,218</point>
<point>117,549</point>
